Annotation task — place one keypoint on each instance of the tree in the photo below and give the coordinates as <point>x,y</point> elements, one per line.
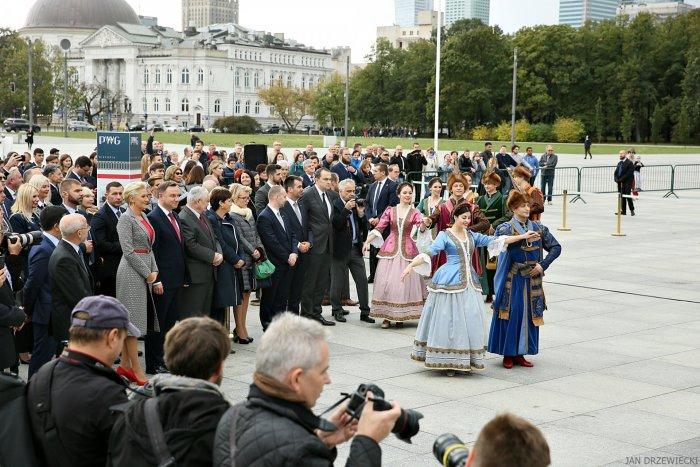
<point>97,99</point>
<point>242,125</point>
<point>328,104</point>
<point>289,103</point>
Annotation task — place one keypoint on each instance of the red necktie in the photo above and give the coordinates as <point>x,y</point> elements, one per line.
<point>171,216</point>
<point>204,223</point>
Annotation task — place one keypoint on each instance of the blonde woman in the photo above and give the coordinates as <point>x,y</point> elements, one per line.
<point>24,218</point>
<point>251,251</point>
<point>216,168</point>
<point>87,203</point>
<point>145,164</point>
<point>136,273</point>
<point>43,187</point>
<point>174,174</point>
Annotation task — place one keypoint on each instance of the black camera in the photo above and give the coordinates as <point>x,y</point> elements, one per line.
<point>360,202</point>
<point>450,451</point>
<point>31,238</point>
<point>406,425</point>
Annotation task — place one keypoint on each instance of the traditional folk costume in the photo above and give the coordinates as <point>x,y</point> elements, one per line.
<point>495,211</point>
<point>391,299</point>
<point>450,334</point>
<point>535,194</point>
<point>519,303</point>
<point>426,210</point>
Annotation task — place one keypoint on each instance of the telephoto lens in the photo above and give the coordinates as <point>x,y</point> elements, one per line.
<point>450,451</point>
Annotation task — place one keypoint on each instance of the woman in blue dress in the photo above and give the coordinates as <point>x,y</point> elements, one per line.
<point>519,304</point>
<point>450,334</point>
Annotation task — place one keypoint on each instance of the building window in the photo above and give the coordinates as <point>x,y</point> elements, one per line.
<point>238,77</point>
<point>157,75</point>
<point>303,82</point>
<point>247,107</point>
<point>167,104</point>
<point>145,76</point>
<point>257,107</point>
<point>185,107</point>
<point>200,76</point>
<point>217,106</point>
<point>272,78</point>
<point>289,80</point>
<point>169,76</point>
<point>246,79</point>
<point>156,105</point>
<point>237,107</point>
<point>144,104</point>
<point>256,80</point>
<point>185,76</point>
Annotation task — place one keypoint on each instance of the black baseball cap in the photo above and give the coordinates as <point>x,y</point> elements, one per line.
<point>105,313</point>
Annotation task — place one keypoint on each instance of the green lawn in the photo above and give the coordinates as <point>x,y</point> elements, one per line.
<point>298,141</point>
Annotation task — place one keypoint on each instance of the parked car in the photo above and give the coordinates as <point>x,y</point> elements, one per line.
<point>175,129</point>
<point>196,129</point>
<point>273,130</point>
<point>137,127</point>
<point>155,127</point>
<point>80,126</point>
<point>18,124</point>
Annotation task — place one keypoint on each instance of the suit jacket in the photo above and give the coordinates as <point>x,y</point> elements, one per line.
<point>387,197</point>
<point>10,315</point>
<point>279,242</point>
<point>340,170</point>
<point>9,201</point>
<point>56,199</point>
<point>300,228</point>
<point>624,173</point>
<point>169,250</point>
<point>306,180</point>
<point>400,161</point>
<point>71,281</point>
<point>342,229</point>
<point>89,179</point>
<point>37,288</point>
<point>319,228</point>
<point>108,251</point>
<point>200,246</point>
<point>261,197</point>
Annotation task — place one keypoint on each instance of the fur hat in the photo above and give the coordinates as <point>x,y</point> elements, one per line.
<point>492,178</point>
<point>521,172</point>
<point>456,178</point>
<point>517,199</point>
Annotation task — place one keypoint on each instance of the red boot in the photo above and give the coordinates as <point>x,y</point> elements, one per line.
<point>520,360</point>
<point>508,362</point>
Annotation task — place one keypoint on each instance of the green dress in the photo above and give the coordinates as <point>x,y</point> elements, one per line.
<point>495,210</point>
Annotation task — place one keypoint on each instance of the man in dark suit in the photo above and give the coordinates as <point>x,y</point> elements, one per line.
<point>415,161</point>
<point>70,277</point>
<point>82,171</point>
<point>55,176</point>
<point>624,177</point>
<point>281,248</point>
<point>295,214</point>
<point>316,203</point>
<point>399,159</point>
<point>11,318</point>
<point>108,251</point>
<point>307,177</point>
<point>169,251</point>
<point>12,184</point>
<point>37,288</point>
<point>349,231</point>
<point>380,195</point>
<point>203,254</point>
<point>345,170</point>
<point>274,177</point>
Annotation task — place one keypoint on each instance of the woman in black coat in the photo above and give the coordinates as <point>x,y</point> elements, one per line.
<point>228,288</point>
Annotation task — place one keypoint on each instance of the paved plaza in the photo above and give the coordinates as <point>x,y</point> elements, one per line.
<point>617,380</point>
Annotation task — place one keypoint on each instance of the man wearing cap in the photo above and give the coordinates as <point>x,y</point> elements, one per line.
<point>75,392</point>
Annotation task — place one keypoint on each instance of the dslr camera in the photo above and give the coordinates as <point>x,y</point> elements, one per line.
<point>450,451</point>
<point>406,425</point>
<point>26,239</point>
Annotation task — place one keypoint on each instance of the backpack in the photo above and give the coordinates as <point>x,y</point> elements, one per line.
<point>16,441</point>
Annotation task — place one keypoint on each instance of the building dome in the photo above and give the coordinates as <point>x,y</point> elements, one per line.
<point>80,14</point>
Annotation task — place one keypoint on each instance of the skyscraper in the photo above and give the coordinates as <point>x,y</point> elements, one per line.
<point>406,11</point>
<point>577,12</point>
<point>200,13</point>
<point>459,9</point>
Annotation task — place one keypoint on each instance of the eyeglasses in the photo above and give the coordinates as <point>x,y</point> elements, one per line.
<point>178,173</point>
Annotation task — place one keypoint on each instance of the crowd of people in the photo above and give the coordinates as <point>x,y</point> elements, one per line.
<point>204,234</point>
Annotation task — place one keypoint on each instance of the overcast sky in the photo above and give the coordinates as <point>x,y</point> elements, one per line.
<point>319,23</point>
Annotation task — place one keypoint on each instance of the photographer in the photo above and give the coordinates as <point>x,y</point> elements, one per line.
<point>276,427</point>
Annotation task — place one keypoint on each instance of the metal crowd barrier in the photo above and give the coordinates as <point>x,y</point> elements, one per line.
<point>685,177</point>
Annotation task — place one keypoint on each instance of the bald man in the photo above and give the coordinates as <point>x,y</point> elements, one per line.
<point>71,280</point>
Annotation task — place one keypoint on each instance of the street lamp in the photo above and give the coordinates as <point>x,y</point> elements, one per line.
<point>30,93</point>
<point>65,45</point>
<point>438,4</point>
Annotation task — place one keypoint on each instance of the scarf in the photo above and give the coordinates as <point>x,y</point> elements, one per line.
<point>245,212</point>
<point>274,388</point>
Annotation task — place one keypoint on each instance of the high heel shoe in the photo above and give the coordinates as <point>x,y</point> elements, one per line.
<point>240,340</point>
<point>130,375</point>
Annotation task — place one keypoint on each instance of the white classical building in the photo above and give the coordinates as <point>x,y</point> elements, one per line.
<point>173,78</point>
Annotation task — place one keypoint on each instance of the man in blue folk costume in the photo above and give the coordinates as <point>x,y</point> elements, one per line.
<point>519,304</point>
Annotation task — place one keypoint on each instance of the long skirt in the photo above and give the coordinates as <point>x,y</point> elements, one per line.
<point>395,300</point>
<point>516,335</point>
<point>450,334</point>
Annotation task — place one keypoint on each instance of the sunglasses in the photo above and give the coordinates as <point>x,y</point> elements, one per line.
<point>178,173</point>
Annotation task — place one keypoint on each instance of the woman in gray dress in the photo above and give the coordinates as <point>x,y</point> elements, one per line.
<point>137,271</point>
<point>251,251</point>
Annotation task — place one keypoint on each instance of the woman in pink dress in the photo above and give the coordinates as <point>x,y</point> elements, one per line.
<point>391,299</point>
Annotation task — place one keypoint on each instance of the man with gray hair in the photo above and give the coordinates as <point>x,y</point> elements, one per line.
<point>69,275</point>
<point>203,255</point>
<point>276,426</point>
<point>307,178</point>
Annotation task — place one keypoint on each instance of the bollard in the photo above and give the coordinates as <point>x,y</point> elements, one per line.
<point>619,233</point>
<point>227,321</point>
<point>563,227</point>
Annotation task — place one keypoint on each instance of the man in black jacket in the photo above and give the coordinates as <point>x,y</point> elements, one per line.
<point>349,230</point>
<point>624,177</point>
<point>276,427</point>
<point>75,392</point>
<point>188,403</point>
<point>293,210</point>
<point>415,161</point>
<point>108,251</point>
